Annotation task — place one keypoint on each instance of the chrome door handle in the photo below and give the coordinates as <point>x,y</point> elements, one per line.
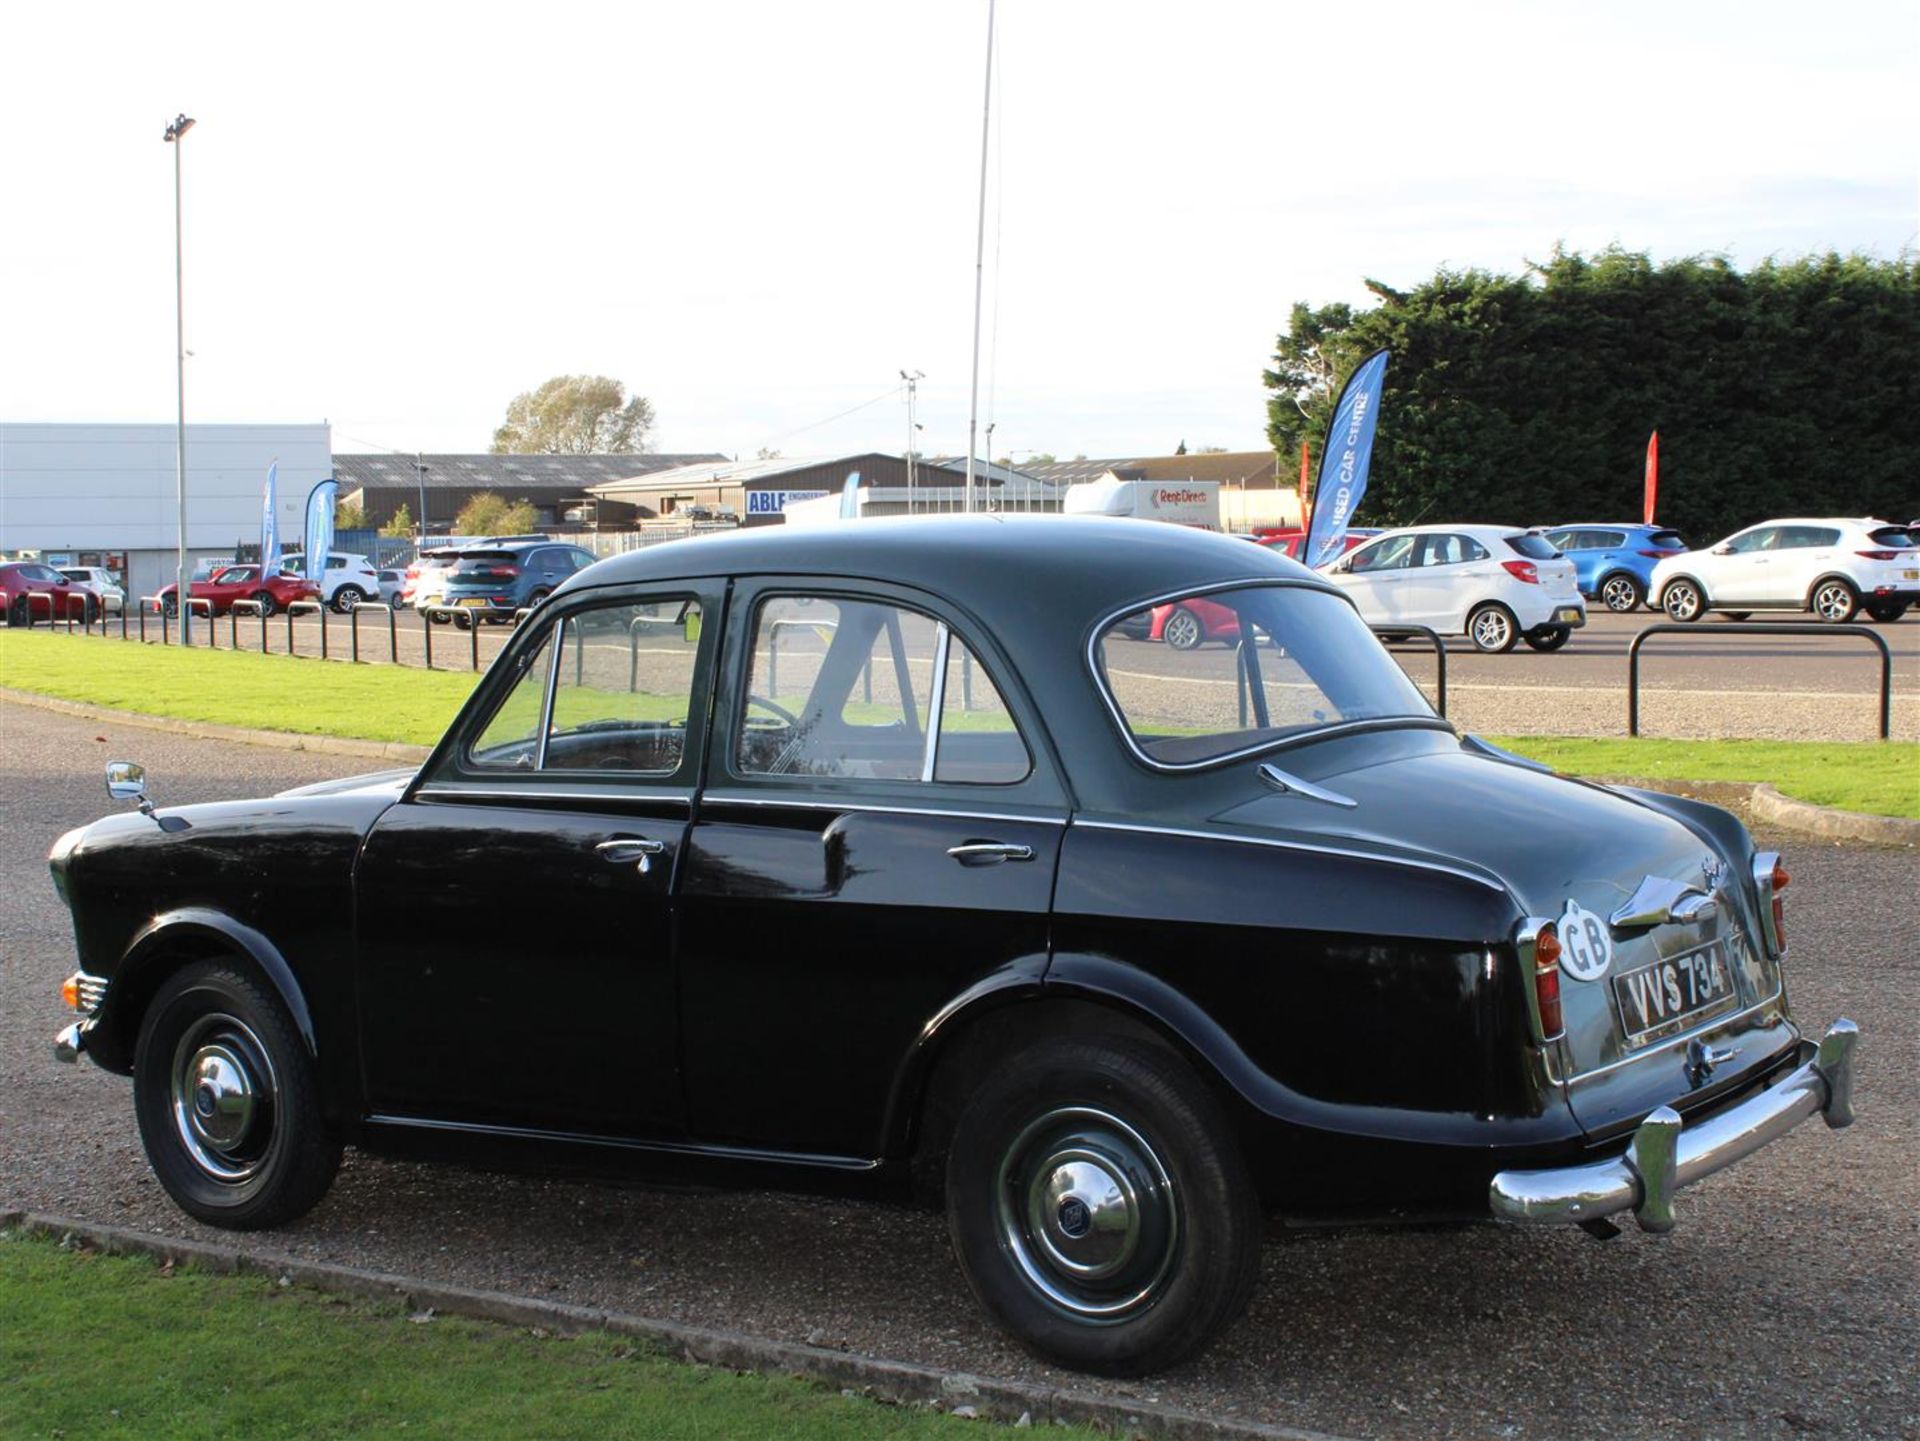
<point>623,849</point>
<point>988,853</point>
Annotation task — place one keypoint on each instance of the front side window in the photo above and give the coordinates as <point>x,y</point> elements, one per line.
<point>1765,537</point>
<point>1304,661</point>
<point>868,690</point>
<point>1393,553</point>
<point>609,690</point>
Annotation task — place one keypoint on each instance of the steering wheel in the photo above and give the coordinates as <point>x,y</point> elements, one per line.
<point>787,717</point>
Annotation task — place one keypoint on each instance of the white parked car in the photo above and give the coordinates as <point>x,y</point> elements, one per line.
<point>1494,584</point>
<point>349,579</point>
<point>100,581</point>
<point>391,584</point>
<point>1833,567</point>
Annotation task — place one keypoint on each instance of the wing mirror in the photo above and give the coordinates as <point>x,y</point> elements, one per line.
<point>127,781</point>
<point>1723,550</point>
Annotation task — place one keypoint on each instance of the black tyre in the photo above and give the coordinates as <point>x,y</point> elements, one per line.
<point>1100,1206</point>
<point>1834,601</point>
<point>1683,601</point>
<point>264,599</point>
<point>229,1112</point>
<point>170,605</point>
<point>1492,629</point>
<point>1887,612</point>
<point>19,611</point>
<point>1184,630</point>
<point>463,620</point>
<point>1621,593</point>
<point>1548,637</point>
<point>347,597</point>
<point>1738,615</point>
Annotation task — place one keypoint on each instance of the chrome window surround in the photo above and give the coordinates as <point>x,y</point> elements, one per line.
<point>443,791</point>
<point>942,643</point>
<point>1763,865</point>
<point>1094,667</point>
<point>797,801</point>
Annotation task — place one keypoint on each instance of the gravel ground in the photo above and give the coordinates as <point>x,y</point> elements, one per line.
<point>1783,1306</point>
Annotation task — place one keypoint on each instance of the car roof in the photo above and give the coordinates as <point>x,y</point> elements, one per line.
<point>1464,528</point>
<point>1603,525</point>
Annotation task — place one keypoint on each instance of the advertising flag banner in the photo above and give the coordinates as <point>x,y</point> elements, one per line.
<point>270,522</point>
<point>1344,459</point>
<point>1653,476</point>
<point>318,539</point>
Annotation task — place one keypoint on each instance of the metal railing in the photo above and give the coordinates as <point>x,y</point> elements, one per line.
<point>252,607</point>
<point>1810,628</point>
<point>302,606</point>
<point>456,614</point>
<point>393,629</point>
<point>1432,638</point>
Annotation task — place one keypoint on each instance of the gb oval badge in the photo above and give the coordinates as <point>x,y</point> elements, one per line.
<point>1585,949</point>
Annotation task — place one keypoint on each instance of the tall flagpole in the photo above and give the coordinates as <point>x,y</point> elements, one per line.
<point>980,262</point>
<point>176,132</point>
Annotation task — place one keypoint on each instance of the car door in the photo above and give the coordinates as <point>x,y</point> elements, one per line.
<point>513,915</point>
<point>1739,569</point>
<point>1803,555</point>
<point>1444,581</point>
<point>878,833</point>
<point>1376,575</point>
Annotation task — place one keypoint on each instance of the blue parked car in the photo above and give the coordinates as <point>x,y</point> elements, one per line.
<point>1614,563</point>
<point>493,580</point>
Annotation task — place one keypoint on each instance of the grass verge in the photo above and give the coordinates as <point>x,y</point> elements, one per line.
<point>1881,778</point>
<point>224,687</point>
<point>98,1345</point>
<point>397,703</point>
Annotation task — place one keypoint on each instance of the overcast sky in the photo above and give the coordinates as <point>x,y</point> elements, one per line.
<point>756,215</point>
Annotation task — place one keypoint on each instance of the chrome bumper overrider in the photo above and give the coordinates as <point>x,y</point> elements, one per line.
<point>1663,1156</point>
<point>70,1043</point>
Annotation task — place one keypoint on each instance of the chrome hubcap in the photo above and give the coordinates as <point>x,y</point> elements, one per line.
<point>222,1094</point>
<point>1088,1212</point>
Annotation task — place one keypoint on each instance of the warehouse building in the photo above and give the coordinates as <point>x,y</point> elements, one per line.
<point>757,492</point>
<point>556,486</point>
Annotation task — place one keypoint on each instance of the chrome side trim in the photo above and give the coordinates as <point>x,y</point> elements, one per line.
<point>1665,1156</point>
<point>799,802</point>
<point>548,793</point>
<point>1406,862</point>
<point>1287,783</point>
<point>625,1143</point>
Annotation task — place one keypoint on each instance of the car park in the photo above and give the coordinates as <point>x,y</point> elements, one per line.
<point>230,583</point>
<point>881,856</point>
<point>98,579</point>
<point>491,582</point>
<point>1613,563</point>
<point>32,591</point>
<point>1834,567</point>
<point>1497,585</point>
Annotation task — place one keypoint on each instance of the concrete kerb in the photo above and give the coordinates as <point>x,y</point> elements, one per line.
<point>894,1382</point>
<point>208,730</point>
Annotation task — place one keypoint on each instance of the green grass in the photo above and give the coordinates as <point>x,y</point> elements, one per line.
<point>395,703</point>
<point>1878,777</point>
<point>96,1345</point>
<point>308,697</point>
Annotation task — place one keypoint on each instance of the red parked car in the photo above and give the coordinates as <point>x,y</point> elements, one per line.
<point>242,582</point>
<point>1288,542</point>
<point>21,578</point>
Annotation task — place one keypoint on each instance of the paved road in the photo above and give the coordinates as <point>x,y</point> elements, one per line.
<point>1782,1307</point>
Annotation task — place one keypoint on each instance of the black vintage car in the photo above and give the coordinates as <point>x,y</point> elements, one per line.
<point>885,855</point>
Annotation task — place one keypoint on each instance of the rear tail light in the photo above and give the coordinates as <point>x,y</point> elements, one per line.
<point>1878,554</point>
<point>1657,554</point>
<point>1524,570</point>
<point>1539,945</point>
<point>1770,879</point>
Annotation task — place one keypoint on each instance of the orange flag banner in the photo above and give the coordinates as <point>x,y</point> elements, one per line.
<point>1653,476</point>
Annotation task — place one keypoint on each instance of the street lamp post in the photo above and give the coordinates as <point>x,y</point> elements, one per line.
<point>420,465</point>
<point>913,381</point>
<point>176,132</point>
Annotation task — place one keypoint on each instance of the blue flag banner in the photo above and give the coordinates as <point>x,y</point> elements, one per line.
<point>270,522</point>
<point>1343,461</point>
<point>318,539</point>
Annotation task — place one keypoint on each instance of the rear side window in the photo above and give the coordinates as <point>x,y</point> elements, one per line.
<point>1533,547</point>
<point>1666,540</point>
<point>1606,539</point>
<point>1807,537</point>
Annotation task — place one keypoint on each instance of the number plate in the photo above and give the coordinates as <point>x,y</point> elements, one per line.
<point>1666,996</point>
<point>472,600</point>
<point>1910,575</point>
<point>1570,615</point>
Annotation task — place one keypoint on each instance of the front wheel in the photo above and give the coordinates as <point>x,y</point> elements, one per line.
<point>1183,630</point>
<point>1887,612</point>
<point>1835,601</point>
<point>1492,629</point>
<point>1622,593</point>
<point>1683,602</point>
<point>228,1105</point>
<point>1548,637</point>
<point>264,599</point>
<point>1100,1206</point>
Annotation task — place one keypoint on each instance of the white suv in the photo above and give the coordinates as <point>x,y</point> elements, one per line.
<point>349,579</point>
<point>1832,567</point>
<point>1494,584</point>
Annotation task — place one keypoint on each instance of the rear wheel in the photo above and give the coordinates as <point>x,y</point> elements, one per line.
<point>1621,593</point>
<point>1548,637</point>
<point>1887,611</point>
<point>228,1106</point>
<point>1683,601</point>
<point>19,611</point>
<point>170,605</point>
<point>1100,1207</point>
<point>347,597</point>
<point>264,599</point>
<point>1492,629</point>
<point>1183,630</point>
<point>1835,601</point>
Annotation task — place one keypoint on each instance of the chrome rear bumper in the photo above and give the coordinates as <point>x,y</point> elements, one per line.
<point>1665,1156</point>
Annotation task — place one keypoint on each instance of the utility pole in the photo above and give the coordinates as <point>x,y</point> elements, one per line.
<point>176,132</point>
<point>420,467</point>
<point>980,261</point>
<point>913,384</point>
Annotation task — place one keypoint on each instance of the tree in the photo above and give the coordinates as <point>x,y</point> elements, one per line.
<point>348,516</point>
<point>575,415</point>
<point>490,514</point>
<point>1180,449</point>
<point>765,454</point>
<point>400,525</point>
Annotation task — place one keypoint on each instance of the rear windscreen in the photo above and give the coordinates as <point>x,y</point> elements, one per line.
<point>1533,547</point>
<point>1893,537</point>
